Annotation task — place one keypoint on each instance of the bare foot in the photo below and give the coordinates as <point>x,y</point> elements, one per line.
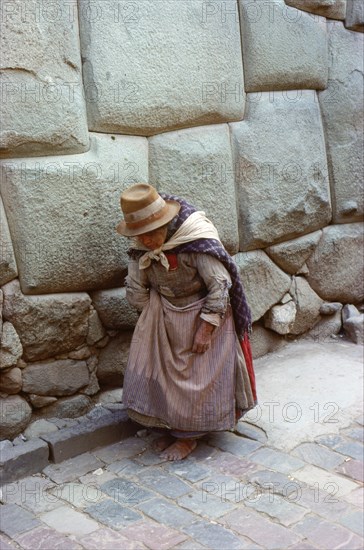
<point>162,443</point>
<point>180,449</point>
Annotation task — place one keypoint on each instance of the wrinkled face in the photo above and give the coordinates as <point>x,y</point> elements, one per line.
<point>154,239</point>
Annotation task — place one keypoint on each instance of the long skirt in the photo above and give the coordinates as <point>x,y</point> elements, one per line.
<point>167,385</point>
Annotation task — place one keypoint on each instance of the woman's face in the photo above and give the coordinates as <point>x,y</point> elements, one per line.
<point>154,239</point>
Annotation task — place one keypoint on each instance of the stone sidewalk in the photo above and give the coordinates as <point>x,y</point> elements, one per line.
<point>290,477</point>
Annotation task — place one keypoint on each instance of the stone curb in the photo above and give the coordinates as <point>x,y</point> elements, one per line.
<point>33,456</point>
<point>23,460</point>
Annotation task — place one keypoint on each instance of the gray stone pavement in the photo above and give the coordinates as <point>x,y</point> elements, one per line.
<point>290,477</point>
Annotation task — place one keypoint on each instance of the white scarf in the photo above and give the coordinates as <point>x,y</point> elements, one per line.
<point>196,226</point>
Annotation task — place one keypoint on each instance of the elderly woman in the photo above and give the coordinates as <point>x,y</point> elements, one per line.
<point>189,370</point>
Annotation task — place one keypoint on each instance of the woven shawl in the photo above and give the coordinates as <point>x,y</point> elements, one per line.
<point>239,305</point>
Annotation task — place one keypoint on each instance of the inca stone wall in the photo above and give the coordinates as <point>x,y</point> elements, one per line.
<point>251,109</point>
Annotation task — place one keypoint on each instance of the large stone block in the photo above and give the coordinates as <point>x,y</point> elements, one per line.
<point>47,325</point>
<point>308,305</point>
<point>264,283</point>
<point>43,109</point>
<point>291,255</point>
<point>113,360</point>
<point>283,48</point>
<point>1,313</point>
<point>332,9</point>
<point>113,308</point>
<point>161,65</point>
<point>8,269</point>
<point>11,381</point>
<point>264,341</point>
<point>56,378</point>
<point>282,184</point>
<point>197,165</point>
<point>11,348</point>
<point>15,415</point>
<point>342,106</point>
<point>336,267</point>
<point>24,460</point>
<point>67,407</point>
<point>62,213</point>
<point>354,15</point>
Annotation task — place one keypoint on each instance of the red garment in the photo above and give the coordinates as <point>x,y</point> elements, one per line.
<point>247,352</point>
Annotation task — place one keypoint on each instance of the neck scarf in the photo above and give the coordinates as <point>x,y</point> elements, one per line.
<point>202,245</point>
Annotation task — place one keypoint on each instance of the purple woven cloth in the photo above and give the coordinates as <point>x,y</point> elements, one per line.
<point>239,305</point>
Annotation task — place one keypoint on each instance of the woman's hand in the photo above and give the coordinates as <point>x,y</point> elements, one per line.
<point>202,340</point>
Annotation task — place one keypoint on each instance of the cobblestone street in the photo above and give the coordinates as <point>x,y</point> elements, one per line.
<point>241,490</point>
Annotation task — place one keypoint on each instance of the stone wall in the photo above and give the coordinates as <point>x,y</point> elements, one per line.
<point>251,109</point>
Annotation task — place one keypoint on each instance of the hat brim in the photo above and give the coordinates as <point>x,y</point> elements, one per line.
<point>173,207</point>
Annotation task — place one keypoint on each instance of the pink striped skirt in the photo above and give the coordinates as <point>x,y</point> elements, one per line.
<point>166,385</point>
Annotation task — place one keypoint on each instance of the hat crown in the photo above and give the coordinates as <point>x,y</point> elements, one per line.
<point>144,210</point>
<point>137,197</point>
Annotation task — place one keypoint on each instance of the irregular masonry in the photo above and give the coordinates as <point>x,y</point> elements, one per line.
<point>283,48</point>
<point>342,107</point>
<point>61,208</point>
<point>282,184</point>
<point>197,163</point>
<point>278,170</point>
<point>43,109</point>
<point>173,65</point>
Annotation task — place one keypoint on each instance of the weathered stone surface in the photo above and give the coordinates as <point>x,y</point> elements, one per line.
<point>325,328</point>
<point>349,310</point>
<point>336,267</point>
<point>93,386</point>
<point>80,354</point>
<point>39,427</point>
<point>329,308</point>
<point>62,213</point>
<point>11,349</point>
<point>47,325</point>
<point>57,378</point>
<point>39,401</point>
<point>92,363</point>
<point>43,109</point>
<point>290,256</point>
<point>24,460</point>
<point>264,341</point>
<point>108,427</point>
<point>197,164</point>
<point>111,396</point>
<point>332,9</point>
<point>342,106</point>
<point>8,268</point>
<point>281,317</point>
<point>15,414</point>
<point>113,360</point>
<point>68,407</point>
<point>354,328</point>
<point>10,381</point>
<point>308,305</point>
<point>354,19</point>
<point>113,308</point>
<point>264,283</point>
<point>96,331</point>
<point>282,185</point>
<point>1,313</point>
<point>196,56</point>
<point>283,48</point>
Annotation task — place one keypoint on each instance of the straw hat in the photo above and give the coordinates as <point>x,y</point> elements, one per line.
<point>144,210</point>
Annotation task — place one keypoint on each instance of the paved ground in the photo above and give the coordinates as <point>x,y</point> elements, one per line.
<point>291,479</point>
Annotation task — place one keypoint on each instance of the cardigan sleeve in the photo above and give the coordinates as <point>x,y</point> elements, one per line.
<point>137,286</point>
<point>218,281</point>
